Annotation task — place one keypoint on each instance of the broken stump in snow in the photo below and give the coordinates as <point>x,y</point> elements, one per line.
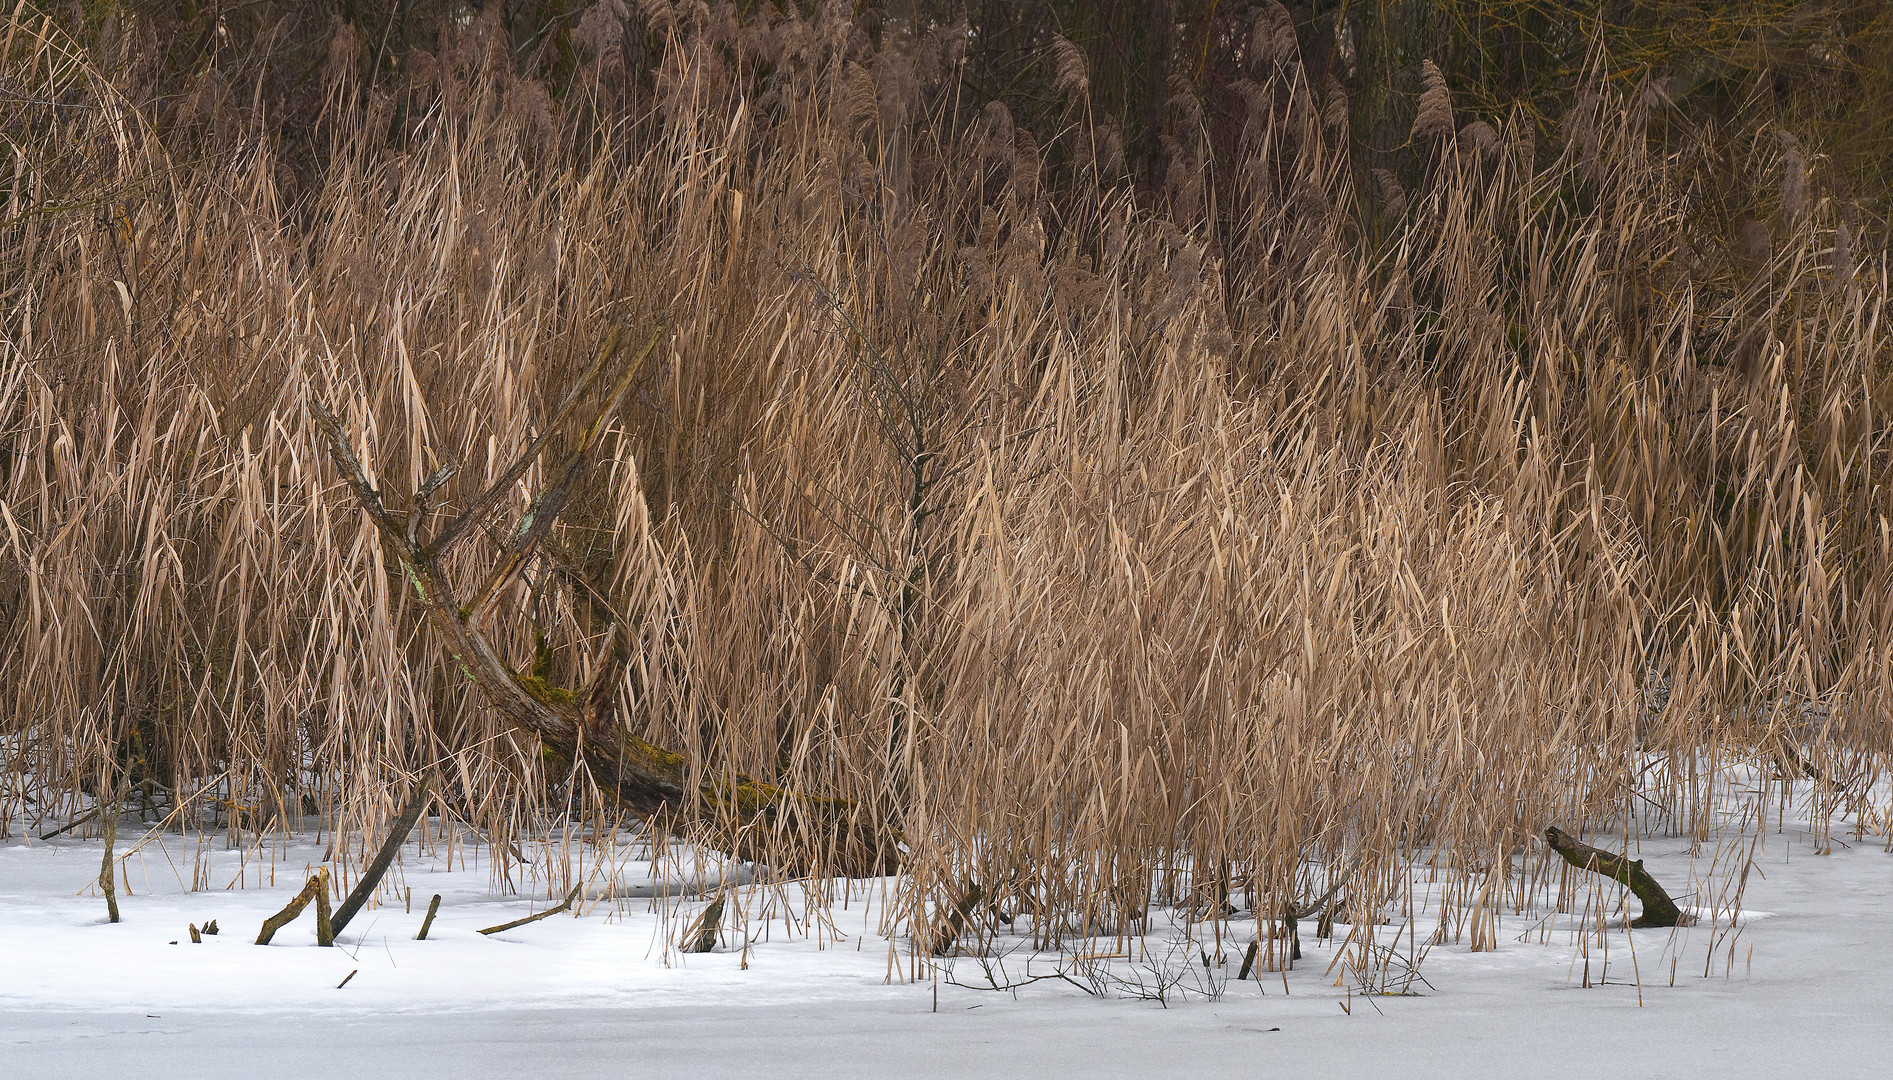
<point>318,886</point>
<point>1658,908</point>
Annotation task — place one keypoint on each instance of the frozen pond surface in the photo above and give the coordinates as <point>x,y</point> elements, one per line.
<point>1801,987</point>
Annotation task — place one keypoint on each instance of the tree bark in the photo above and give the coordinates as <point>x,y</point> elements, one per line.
<point>579,725</point>
<point>1658,908</point>
<point>325,927</point>
<point>108,873</point>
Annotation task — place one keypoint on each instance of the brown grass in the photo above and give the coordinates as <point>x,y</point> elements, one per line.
<point>1109,551</point>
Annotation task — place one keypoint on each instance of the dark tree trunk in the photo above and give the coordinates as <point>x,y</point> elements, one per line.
<point>750,818</point>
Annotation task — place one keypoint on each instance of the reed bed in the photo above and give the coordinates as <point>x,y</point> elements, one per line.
<point>1193,547</point>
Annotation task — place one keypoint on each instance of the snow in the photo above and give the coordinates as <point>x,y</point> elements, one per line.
<point>1798,981</point>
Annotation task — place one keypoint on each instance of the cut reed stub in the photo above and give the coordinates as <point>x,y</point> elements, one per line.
<point>1658,908</point>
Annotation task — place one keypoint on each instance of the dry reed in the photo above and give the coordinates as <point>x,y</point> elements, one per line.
<point>1113,553</point>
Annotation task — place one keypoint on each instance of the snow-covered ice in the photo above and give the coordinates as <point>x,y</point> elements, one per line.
<point>1800,986</point>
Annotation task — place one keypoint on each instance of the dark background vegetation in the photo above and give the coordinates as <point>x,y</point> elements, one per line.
<point>1822,68</point>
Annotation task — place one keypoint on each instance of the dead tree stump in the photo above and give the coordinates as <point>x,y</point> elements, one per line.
<point>1658,908</point>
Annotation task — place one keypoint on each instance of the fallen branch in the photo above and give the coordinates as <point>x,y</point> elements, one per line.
<point>1319,904</point>
<point>73,824</point>
<point>1292,914</point>
<point>318,885</point>
<point>664,891</point>
<point>371,877</point>
<point>1658,908</point>
<point>178,806</point>
<point>546,914</point>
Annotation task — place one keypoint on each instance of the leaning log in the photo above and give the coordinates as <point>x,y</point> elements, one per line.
<point>749,818</point>
<point>390,847</point>
<point>1658,908</point>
